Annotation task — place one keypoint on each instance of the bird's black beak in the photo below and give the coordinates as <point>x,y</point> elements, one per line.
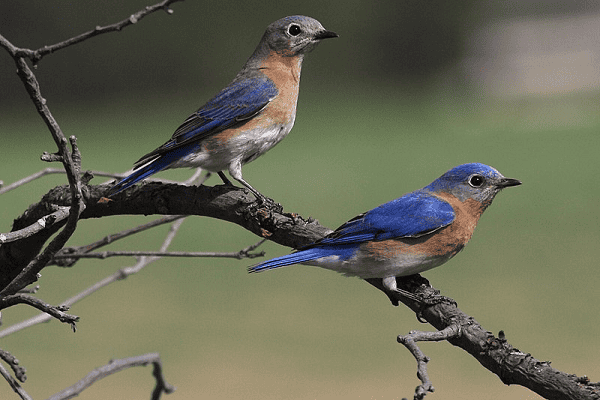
<point>507,182</point>
<point>325,35</point>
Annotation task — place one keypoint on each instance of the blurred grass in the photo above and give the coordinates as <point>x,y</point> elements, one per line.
<point>300,332</point>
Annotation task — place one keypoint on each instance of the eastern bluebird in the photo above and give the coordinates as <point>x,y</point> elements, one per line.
<point>251,115</point>
<point>416,232</point>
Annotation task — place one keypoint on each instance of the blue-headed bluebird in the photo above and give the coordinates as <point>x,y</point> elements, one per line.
<point>251,115</point>
<point>411,234</point>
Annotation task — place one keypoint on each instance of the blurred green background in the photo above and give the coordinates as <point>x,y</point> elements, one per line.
<point>409,90</point>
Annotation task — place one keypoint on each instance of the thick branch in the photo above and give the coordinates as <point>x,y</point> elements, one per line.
<point>222,202</point>
<point>496,354</point>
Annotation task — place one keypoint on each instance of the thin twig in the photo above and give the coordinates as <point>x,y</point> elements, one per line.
<point>36,55</point>
<point>51,171</point>
<point>14,384</point>
<point>32,177</point>
<point>12,361</point>
<point>56,312</point>
<point>42,223</point>
<point>410,342</point>
<point>106,254</point>
<point>71,161</point>
<point>68,256</point>
<point>115,366</point>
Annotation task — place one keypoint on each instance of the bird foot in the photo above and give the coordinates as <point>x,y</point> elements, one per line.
<point>270,204</point>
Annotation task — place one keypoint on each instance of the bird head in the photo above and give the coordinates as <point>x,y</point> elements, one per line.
<point>475,181</point>
<point>295,35</point>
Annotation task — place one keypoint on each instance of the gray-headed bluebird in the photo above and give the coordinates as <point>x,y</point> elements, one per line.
<point>251,115</point>
<point>416,232</point>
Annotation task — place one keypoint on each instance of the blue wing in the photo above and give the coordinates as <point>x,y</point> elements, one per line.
<point>412,215</point>
<point>238,102</point>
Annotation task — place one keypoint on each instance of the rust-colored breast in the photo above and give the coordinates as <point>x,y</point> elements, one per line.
<point>285,74</point>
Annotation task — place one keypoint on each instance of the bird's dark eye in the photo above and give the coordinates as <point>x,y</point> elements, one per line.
<point>476,181</point>
<point>294,30</point>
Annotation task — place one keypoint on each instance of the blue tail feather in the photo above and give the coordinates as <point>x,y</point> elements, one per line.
<point>162,162</point>
<point>289,259</point>
<point>138,175</point>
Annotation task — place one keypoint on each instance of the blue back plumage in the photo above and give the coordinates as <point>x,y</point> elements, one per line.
<point>237,103</point>
<point>413,214</point>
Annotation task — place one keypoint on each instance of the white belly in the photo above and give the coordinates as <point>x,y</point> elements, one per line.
<point>364,268</point>
<point>242,149</point>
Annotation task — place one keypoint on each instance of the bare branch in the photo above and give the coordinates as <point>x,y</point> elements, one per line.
<point>14,384</point>
<point>36,55</point>
<point>72,164</point>
<point>51,171</point>
<point>71,160</point>
<point>68,256</point>
<point>496,354</point>
<point>61,214</point>
<point>115,366</point>
<point>14,365</point>
<point>223,202</point>
<point>410,342</point>
<point>119,275</point>
<point>27,179</point>
<point>65,258</point>
<point>56,312</point>
<point>200,254</point>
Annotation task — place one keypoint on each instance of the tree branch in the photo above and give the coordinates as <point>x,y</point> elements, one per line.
<point>410,342</point>
<point>496,354</point>
<point>223,202</point>
<point>238,206</point>
<point>12,361</point>
<point>65,258</point>
<point>56,312</point>
<point>71,160</point>
<point>14,384</point>
<point>50,171</point>
<point>36,55</point>
<point>198,254</point>
<point>115,366</point>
